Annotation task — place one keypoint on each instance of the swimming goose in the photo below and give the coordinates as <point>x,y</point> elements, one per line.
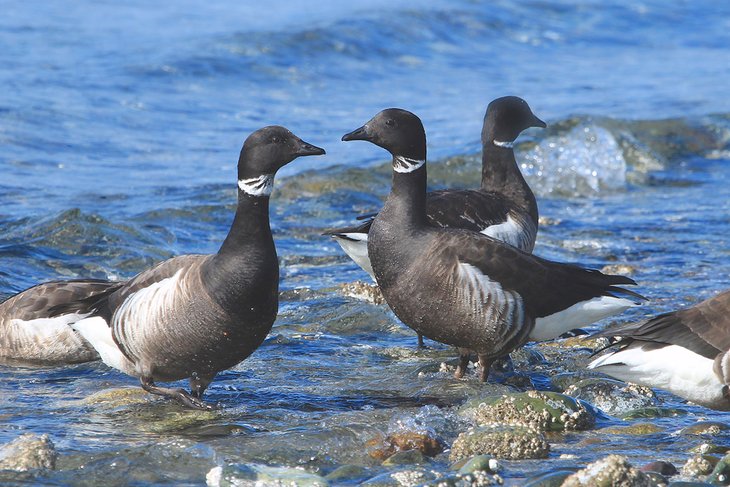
<point>685,352</point>
<point>462,287</point>
<point>194,315</point>
<point>31,334</point>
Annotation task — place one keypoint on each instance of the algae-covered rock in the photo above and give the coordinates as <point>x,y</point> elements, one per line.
<point>699,465</point>
<point>709,428</point>
<point>651,412</point>
<point>28,452</point>
<point>721,473</point>
<point>544,411</point>
<point>637,429</point>
<point>612,471</point>
<point>708,448</point>
<point>613,396</point>
<point>510,442</point>
<point>238,475</point>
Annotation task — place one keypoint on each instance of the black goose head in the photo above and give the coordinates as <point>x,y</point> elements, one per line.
<point>398,131</point>
<point>506,118</point>
<point>266,151</point>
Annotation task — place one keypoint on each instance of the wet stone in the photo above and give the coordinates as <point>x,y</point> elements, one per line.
<point>501,441</point>
<point>408,457</point>
<point>613,396</point>
<point>346,473</point>
<point>480,463</point>
<point>544,411</point>
<point>656,479</point>
<point>652,412</point>
<point>474,479</point>
<point>664,468</point>
<point>699,465</point>
<point>236,475</point>
<point>28,452</point>
<point>705,448</point>
<point>611,471</point>
<point>549,479</point>
<point>401,478</point>
<point>381,448</point>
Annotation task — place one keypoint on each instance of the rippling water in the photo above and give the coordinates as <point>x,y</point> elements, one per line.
<point>120,127</point>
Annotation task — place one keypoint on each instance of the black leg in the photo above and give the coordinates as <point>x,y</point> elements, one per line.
<point>486,364</point>
<point>178,395</point>
<point>420,341</point>
<point>464,355</point>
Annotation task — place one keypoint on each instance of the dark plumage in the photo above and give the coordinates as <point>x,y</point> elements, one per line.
<point>685,352</point>
<point>33,332</point>
<point>195,315</point>
<point>503,207</point>
<point>462,287</point>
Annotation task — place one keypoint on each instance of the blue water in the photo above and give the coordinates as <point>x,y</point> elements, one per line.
<point>120,127</point>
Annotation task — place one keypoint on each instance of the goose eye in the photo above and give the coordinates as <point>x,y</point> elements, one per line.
<point>275,139</point>
<point>390,122</point>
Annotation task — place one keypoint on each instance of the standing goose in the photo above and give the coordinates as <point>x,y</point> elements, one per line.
<point>31,333</point>
<point>685,352</point>
<point>504,207</point>
<point>194,315</point>
<point>462,287</point>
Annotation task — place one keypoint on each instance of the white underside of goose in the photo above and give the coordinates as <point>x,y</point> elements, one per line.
<point>355,246</point>
<point>48,339</point>
<point>97,332</point>
<point>672,368</point>
<point>580,314</point>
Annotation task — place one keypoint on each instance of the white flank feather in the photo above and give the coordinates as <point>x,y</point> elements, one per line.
<point>580,314</point>
<point>672,368</point>
<point>509,231</point>
<point>97,332</point>
<point>505,311</point>
<point>46,328</point>
<point>356,246</point>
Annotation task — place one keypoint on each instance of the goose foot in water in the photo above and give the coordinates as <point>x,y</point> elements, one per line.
<point>486,364</point>
<point>179,395</point>
<point>464,355</point>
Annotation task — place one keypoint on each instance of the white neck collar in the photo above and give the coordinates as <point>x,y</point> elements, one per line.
<point>259,186</point>
<point>404,164</point>
<point>502,143</point>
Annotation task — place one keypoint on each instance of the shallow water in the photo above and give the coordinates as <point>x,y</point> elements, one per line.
<point>120,128</point>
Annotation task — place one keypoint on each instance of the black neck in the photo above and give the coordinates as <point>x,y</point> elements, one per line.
<point>250,225</point>
<point>501,174</point>
<point>407,199</point>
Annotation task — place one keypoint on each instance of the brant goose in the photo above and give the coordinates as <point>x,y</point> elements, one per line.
<point>462,287</point>
<point>685,352</point>
<point>30,333</point>
<point>194,315</point>
<point>503,207</point>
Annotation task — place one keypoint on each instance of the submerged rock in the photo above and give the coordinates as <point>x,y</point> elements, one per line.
<point>28,452</point>
<point>381,448</point>
<point>660,467</point>
<point>612,471</point>
<point>709,428</point>
<point>474,479</point>
<point>501,441</point>
<point>239,475</point>
<point>401,478</point>
<point>544,411</point>
<point>637,429</point>
<point>407,457</point>
<point>349,473</point>
<point>721,473</point>
<point>613,396</point>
